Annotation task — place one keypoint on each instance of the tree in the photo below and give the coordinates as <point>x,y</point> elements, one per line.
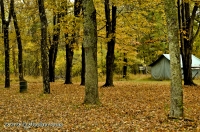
<point>69,58</point>
<point>125,66</point>
<point>90,46</point>
<point>53,50</point>
<point>110,33</point>
<point>187,37</point>
<point>83,67</point>
<point>44,50</point>
<point>70,46</point>
<point>77,13</point>
<point>176,107</point>
<point>5,25</point>
<point>77,7</point>
<point>18,35</point>
<point>149,30</point>
<point>69,42</point>
<point>30,35</point>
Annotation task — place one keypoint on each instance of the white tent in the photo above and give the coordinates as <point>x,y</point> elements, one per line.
<point>160,69</point>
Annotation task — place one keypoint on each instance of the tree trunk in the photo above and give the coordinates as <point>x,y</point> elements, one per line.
<point>176,106</point>
<point>5,25</point>
<point>44,50</point>
<point>77,7</point>
<point>90,46</point>
<point>110,32</point>
<point>7,56</point>
<point>125,66</point>
<point>69,47</point>
<point>19,42</point>
<point>83,67</point>
<point>69,58</point>
<point>54,47</point>
<point>77,13</point>
<point>14,61</point>
<point>186,23</point>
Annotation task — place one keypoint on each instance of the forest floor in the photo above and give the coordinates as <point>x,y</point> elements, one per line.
<point>129,106</point>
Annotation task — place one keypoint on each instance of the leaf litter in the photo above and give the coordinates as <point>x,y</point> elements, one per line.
<point>128,106</point>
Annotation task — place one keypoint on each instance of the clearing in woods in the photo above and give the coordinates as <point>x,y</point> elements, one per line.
<point>129,106</point>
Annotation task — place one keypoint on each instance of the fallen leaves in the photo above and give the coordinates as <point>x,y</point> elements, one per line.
<point>126,107</point>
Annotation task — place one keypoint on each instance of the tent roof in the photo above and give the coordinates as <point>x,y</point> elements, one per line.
<point>195,60</point>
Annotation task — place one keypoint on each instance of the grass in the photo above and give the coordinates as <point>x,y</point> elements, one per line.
<point>139,78</point>
<point>130,77</point>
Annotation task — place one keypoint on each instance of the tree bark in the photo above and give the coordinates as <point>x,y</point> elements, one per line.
<point>69,58</point>
<point>44,50</point>
<point>125,66</point>
<point>110,33</point>
<point>54,47</point>
<point>83,67</point>
<point>77,7</point>
<point>15,65</point>
<point>69,51</point>
<point>90,46</point>
<point>5,25</point>
<point>77,13</point>
<point>186,23</point>
<point>176,106</point>
<point>19,42</point>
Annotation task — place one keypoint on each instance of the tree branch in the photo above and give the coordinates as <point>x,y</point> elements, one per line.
<point>191,22</point>
<point>197,32</point>
<point>101,28</point>
<point>11,10</point>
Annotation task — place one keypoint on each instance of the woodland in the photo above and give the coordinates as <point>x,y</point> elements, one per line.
<point>82,65</point>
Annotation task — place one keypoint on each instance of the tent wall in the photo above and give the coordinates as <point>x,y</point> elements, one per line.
<point>161,70</point>
<point>196,73</point>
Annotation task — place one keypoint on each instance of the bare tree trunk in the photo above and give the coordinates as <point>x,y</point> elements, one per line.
<point>69,58</point>
<point>110,32</point>
<point>69,52</point>
<point>14,61</point>
<point>44,50</point>
<point>125,66</point>
<point>18,35</point>
<point>176,106</point>
<point>54,47</point>
<point>83,67</point>
<point>186,23</point>
<point>5,25</point>
<point>77,13</point>
<point>90,46</point>
<point>7,56</point>
<point>77,7</point>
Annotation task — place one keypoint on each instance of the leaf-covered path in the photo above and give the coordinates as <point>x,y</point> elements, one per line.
<point>128,106</point>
